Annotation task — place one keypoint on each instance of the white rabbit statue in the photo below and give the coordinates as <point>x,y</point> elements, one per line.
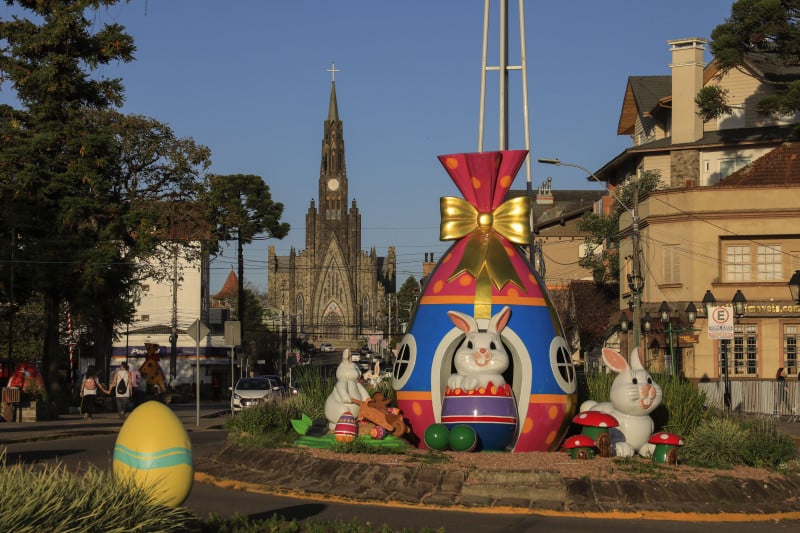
<point>481,358</point>
<point>634,395</point>
<point>347,387</point>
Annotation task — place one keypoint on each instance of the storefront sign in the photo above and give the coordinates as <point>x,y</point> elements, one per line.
<point>770,309</point>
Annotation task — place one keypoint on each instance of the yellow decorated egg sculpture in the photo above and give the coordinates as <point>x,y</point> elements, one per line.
<point>154,450</point>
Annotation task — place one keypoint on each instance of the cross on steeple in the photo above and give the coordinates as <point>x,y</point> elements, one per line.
<point>333,70</point>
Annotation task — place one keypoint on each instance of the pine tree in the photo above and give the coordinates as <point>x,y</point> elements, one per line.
<point>55,168</point>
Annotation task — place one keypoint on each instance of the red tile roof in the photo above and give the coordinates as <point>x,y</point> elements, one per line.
<point>780,167</point>
<point>230,289</point>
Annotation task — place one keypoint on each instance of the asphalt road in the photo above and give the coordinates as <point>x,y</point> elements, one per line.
<point>226,501</point>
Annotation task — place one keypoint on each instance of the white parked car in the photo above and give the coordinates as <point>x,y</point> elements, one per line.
<point>250,392</point>
<point>326,347</point>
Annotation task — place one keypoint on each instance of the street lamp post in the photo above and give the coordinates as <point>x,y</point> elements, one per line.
<point>794,286</point>
<point>635,279</point>
<point>709,302</point>
<point>647,324</point>
<point>664,312</point>
<point>739,302</point>
<point>624,326</point>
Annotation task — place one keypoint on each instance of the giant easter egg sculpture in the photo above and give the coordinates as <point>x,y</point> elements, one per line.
<point>481,274</point>
<point>154,450</point>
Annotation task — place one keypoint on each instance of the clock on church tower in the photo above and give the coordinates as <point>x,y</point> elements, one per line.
<point>333,184</point>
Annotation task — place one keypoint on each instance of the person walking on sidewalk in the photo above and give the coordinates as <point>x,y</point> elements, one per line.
<point>782,405</point>
<point>121,385</point>
<point>89,388</point>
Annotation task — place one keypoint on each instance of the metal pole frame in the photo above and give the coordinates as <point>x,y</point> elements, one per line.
<point>503,67</point>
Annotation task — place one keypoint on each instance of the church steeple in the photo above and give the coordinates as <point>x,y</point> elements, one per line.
<point>333,171</point>
<point>333,108</point>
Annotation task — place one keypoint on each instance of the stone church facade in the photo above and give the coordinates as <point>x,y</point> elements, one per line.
<point>332,291</point>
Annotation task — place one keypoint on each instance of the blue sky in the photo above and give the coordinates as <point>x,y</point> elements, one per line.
<point>248,79</point>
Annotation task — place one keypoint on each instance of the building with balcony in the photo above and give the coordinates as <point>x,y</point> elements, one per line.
<point>725,220</point>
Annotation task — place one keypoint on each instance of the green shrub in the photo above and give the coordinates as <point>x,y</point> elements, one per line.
<point>314,385</point>
<point>715,443</point>
<point>681,408</point>
<point>255,420</point>
<point>722,442</point>
<point>598,386</point>
<point>35,498</point>
<point>767,446</point>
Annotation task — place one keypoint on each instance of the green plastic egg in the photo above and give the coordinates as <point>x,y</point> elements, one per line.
<point>463,438</point>
<point>436,437</point>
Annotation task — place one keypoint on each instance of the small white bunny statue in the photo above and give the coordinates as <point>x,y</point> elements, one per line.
<point>634,395</point>
<point>481,358</point>
<point>347,387</point>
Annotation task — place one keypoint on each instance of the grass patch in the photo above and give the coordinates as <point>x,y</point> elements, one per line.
<point>276,524</point>
<point>42,497</point>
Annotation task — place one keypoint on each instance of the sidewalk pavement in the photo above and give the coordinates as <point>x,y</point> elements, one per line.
<point>212,415</point>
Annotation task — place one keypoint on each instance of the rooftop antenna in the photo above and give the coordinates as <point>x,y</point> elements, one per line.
<point>503,67</point>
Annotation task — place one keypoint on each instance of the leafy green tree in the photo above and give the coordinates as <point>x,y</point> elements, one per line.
<point>407,297</point>
<point>55,170</point>
<point>157,181</point>
<point>769,28</point>
<point>240,207</point>
<point>603,229</point>
<point>25,335</point>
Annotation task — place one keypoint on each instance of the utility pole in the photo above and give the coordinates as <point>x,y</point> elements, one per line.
<point>173,338</point>
<point>636,280</point>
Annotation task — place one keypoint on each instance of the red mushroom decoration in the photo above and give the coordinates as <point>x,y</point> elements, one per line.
<point>597,425</point>
<point>666,447</point>
<point>580,446</point>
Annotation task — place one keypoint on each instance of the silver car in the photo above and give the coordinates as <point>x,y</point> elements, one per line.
<point>250,392</point>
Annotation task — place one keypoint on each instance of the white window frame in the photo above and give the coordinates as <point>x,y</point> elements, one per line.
<point>728,166</point>
<point>737,262</point>
<point>769,262</point>
<point>671,265</point>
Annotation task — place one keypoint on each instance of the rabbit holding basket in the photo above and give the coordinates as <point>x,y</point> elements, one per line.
<point>634,395</point>
<point>481,358</point>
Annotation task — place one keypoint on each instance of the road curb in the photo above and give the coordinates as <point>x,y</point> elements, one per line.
<point>536,492</point>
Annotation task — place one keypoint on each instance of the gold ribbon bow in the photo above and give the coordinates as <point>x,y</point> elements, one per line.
<point>484,250</point>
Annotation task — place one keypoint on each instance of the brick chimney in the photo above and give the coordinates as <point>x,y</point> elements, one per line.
<point>544,195</point>
<point>687,79</point>
<point>428,265</point>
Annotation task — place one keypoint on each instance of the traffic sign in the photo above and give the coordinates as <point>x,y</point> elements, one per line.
<point>720,322</point>
<point>197,331</point>
<point>233,333</point>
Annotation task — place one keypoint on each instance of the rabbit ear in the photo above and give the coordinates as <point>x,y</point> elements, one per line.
<point>463,322</point>
<point>499,321</point>
<point>636,361</point>
<point>614,360</point>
